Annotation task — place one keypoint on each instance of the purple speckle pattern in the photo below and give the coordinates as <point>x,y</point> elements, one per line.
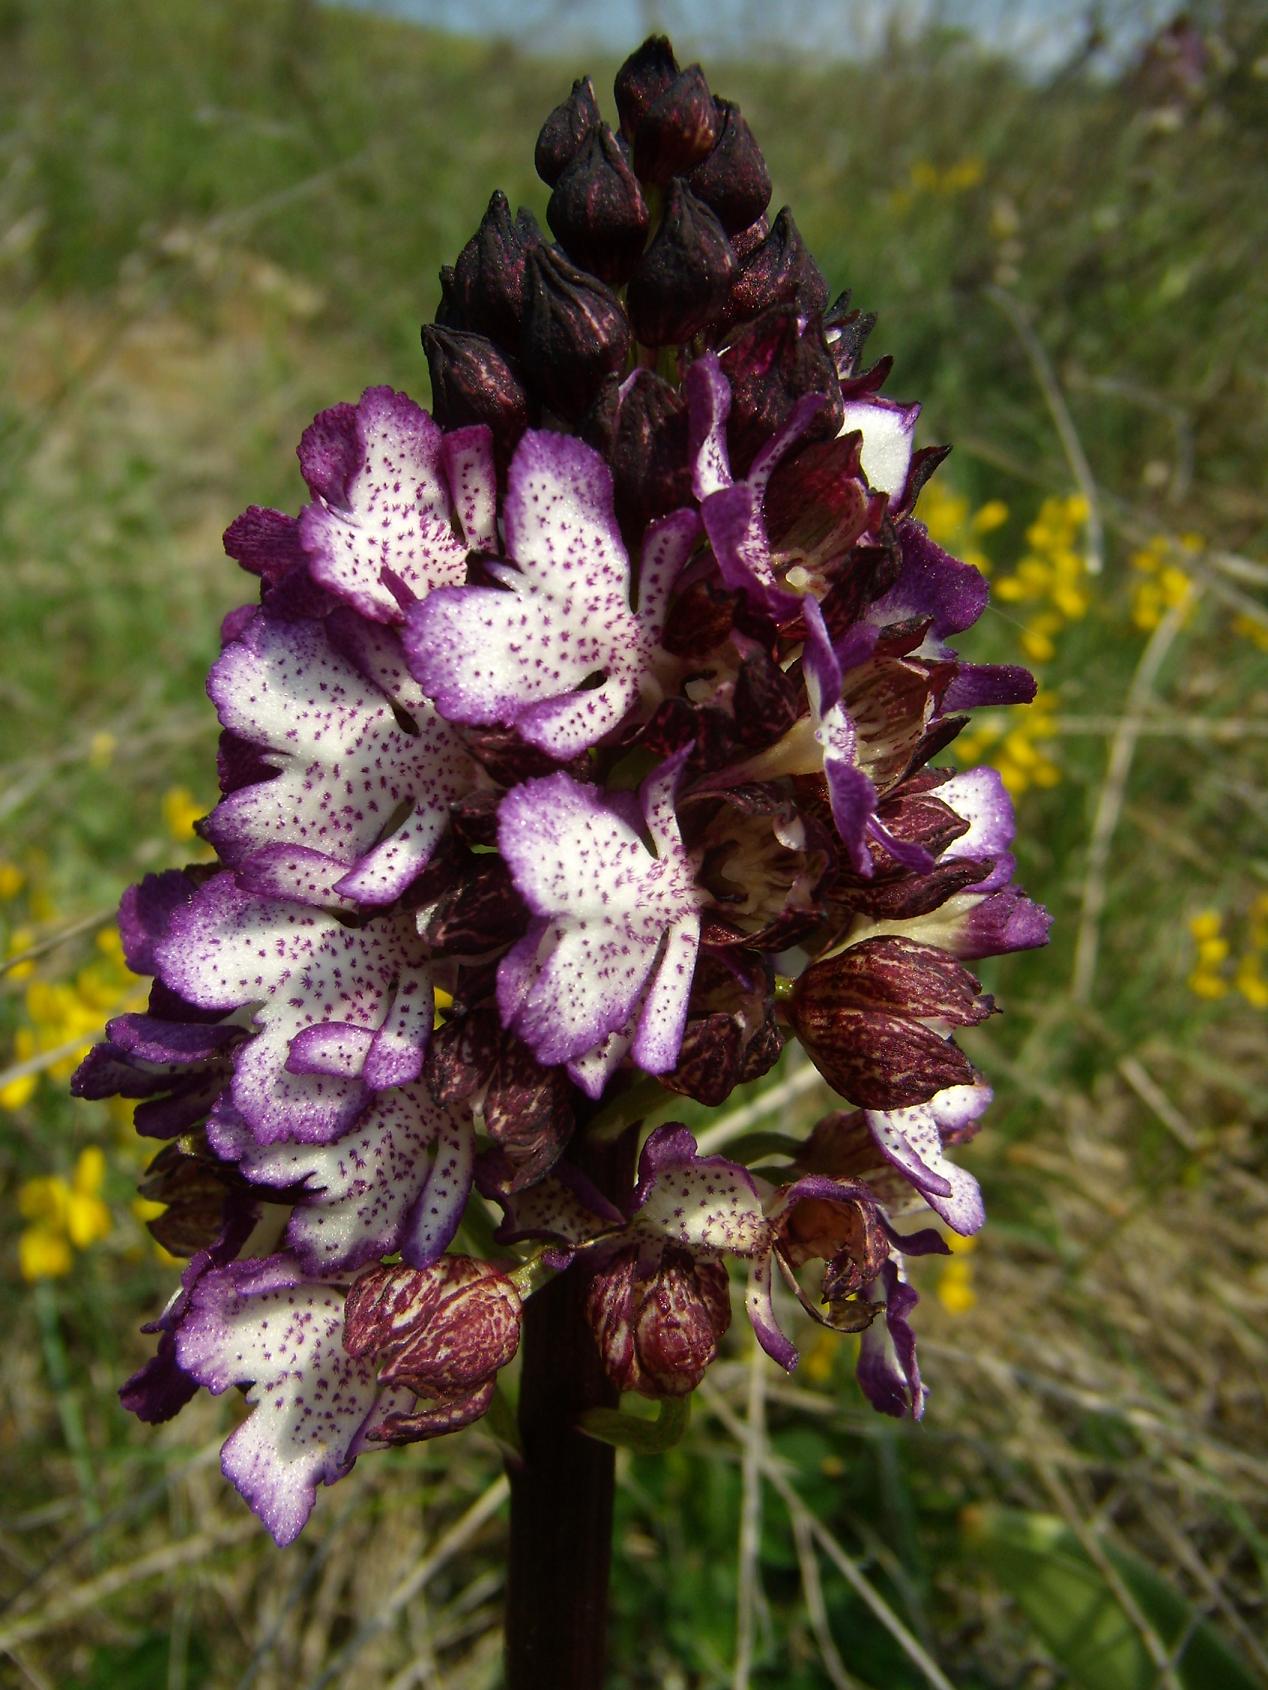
<point>297,968</point>
<point>615,932</point>
<point>352,784</point>
<point>555,650</point>
<point>381,522</point>
<point>262,1325</point>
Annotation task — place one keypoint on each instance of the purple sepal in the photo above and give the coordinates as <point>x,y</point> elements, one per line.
<point>978,684</point>
<point>888,1372</point>
<point>932,584</point>
<point>911,1140</point>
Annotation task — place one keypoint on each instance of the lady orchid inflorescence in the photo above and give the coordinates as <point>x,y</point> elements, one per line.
<point>584,731</point>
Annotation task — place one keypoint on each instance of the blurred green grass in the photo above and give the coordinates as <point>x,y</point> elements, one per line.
<point>215,220</point>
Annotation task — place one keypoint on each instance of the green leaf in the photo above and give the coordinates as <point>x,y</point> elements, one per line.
<point>636,1431</point>
<point>1039,1561</point>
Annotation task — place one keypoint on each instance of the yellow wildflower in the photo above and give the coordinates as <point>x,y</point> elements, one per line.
<point>1052,575</point>
<point>1207,980</point>
<point>1016,743</point>
<point>1161,582</point>
<point>12,880</point>
<point>65,1215</point>
<point>101,750</point>
<point>180,811</point>
<point>951,522</point>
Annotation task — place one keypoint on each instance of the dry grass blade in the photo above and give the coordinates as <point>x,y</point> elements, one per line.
<point>1109,803</point>
<point>816,1608</point>
<point>451,1543</point>
<point>1076,457</point>
<point>748,1588</point>
<point>799,1079</point>
<point>858,1581</point>
<point>85,1597</point>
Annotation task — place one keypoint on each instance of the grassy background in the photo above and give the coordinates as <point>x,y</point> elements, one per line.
<point>214,220</point>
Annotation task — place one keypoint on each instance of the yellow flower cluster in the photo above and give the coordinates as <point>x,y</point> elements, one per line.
<point>1161,581</point>
<point>1050,582</point>
<point>65,1016</point>
<point>1017,743</point>
<point>939,181</point>
<point>1211,976</point>
<point>955,1280</point>
<point>1252,629</point>
<point>64,1215</point>
<point>955,526</point>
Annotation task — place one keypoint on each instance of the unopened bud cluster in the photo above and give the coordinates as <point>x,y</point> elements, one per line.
<point>579,753</point>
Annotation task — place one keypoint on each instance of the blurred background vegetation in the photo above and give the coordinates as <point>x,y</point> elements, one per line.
<point>218,216</point>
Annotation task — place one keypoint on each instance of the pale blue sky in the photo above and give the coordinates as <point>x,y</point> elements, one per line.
<point>1041,32</point>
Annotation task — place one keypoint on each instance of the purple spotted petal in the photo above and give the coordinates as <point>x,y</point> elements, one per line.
<point>708,405</point>
<point>888,1372</point>
<point>261,1324</point>
<point>302,969</point>
<point>398,1181</point>
<point>760,1306</point>
<point>911,1140</point>
<point>467,458</point>
<point>888,431</point>
<point>607,912</point>
<point>706,1204</point>
<point>352,784</point>
<point>564,1208</point>
<point>519,655</point>
<point>380,527</point>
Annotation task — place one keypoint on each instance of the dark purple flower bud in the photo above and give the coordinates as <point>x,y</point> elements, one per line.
<point>566,131</point>
<point>732,1035</point>
<point>488,279</point>
<point>772,364</point>
<point>648,452</point>
<point>527,1109</point>
<point>478,911</point>
<point>862,1017</point>
<point>194,1189</point>
<point>597,209</point>
<point>847,332</point>
<point>473,382</point>
<point>677,130</point>
<point>642,79</point>
<point>779,270</point>
<point>575,333</point>
<point>658,1330</point>
<point>685,276</point>
<point>733,179</point>
<point>441,1331</point>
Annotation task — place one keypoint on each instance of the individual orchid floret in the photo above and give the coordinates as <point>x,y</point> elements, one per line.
<point>606,966</point>
<point>387,489</point>
<point>396,1182</point>
<point>263,1325</point>
<point>527,652</point>
<point>365,768</point>
<point>341,1011</point>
